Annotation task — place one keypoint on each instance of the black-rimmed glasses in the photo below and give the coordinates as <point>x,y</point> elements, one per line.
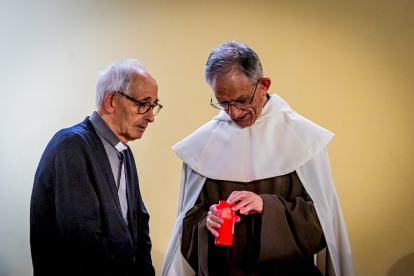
<point>143,107</point>
<point>236,104</point>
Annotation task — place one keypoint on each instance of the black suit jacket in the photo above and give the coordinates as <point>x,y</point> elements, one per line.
<point>76,224</point>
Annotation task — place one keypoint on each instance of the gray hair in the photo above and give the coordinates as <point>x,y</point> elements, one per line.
<point>231,56</point>
<point>116,77</point>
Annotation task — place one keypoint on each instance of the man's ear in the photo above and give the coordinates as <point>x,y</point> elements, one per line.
<point>108,102</point>
<point>265,84</point>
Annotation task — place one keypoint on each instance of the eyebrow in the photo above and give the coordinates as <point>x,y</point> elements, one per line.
<point>240,99</point>
<point>148,99</point>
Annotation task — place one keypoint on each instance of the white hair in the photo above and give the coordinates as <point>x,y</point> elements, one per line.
<point>116,77</point>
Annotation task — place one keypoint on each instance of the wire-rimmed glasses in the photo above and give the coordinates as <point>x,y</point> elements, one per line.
<point>236,104</point>
<point>143,107</point>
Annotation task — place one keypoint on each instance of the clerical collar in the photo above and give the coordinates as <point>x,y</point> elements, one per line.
<point>105,132</point>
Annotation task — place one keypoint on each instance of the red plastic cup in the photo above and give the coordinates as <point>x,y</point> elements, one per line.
<point>226,230</point>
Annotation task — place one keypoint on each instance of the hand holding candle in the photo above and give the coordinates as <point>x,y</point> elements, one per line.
<point>226,230</point>
<point>214,218</point>
<point>243,201</point>
<point>247,203</point>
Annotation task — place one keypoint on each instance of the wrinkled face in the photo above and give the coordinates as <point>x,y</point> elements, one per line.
<point>130,124</point>
<point>238,87</point>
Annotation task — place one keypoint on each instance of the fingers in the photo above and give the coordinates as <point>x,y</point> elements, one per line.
<point>247,202</point>
<point>214,221</point>
<point>244,205</point>
<point>235,196</point>
<point>213,210</point>
<point>212,227</point>
<point>252,208</point>
<point>241,197</point>
<point>234,193</point>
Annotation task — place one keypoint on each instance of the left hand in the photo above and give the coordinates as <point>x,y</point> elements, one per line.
<point>248,202</point>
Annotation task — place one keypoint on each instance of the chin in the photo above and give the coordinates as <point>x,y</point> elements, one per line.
<point>243,124</point>
<point>135,137</point>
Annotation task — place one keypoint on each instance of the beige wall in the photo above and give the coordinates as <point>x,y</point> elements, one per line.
<point>347,65</point>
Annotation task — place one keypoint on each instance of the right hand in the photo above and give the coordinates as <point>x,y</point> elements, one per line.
<point>214,221</point>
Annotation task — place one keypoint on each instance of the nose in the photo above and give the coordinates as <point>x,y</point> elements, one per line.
<point>150,116</point>
<point>234,112</point>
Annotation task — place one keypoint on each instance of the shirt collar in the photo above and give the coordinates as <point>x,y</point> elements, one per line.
<point>105,132</point>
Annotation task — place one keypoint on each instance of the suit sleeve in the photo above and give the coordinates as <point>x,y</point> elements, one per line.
<point>144,261</point>
<point>77,211</point>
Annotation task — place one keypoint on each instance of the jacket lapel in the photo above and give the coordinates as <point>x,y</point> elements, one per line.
<point>104,164</point>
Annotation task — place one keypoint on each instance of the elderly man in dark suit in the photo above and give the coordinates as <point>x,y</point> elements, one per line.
<point>87,216</point>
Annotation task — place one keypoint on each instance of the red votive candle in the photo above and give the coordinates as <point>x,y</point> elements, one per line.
<point>227,228</point>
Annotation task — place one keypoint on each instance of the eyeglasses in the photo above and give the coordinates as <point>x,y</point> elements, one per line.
<point>236,104</point>
<point>143,107</point>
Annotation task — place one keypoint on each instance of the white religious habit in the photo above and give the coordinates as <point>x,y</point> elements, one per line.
<point>278,143</point>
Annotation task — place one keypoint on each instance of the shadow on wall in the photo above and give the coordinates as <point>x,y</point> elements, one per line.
<point>404,267</point>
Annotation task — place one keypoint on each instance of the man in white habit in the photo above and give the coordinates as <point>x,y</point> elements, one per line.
<point>270,161</point>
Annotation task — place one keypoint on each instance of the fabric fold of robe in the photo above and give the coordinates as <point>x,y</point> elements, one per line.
<point>288,229</point>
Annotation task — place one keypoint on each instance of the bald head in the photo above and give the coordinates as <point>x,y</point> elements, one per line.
<point>141,78</point>
<point>142,85</point>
